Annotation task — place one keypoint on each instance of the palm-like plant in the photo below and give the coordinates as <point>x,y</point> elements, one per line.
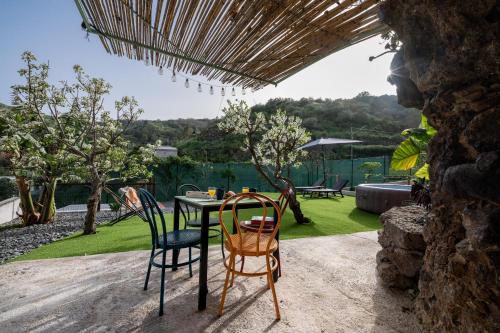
<point>413,150</point>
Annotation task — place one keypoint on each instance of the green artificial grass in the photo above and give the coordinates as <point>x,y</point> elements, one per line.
<point>329,217</point>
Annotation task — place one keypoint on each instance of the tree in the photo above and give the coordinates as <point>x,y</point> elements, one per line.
<point>33,155</point>
<point>370,168</point>
<point>272,142</point>
<point>79,125</point>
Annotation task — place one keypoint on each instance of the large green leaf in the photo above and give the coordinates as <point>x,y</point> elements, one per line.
<point>423,172</point>
<point>431,131</point>
<point>405,156</point>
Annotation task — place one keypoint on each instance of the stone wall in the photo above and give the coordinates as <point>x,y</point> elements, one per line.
<point>449,66</point>
<point>401,258</point>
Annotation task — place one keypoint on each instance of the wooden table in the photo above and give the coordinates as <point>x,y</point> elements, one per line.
<point>206,206</point>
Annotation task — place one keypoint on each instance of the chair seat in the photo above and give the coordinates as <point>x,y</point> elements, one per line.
<point>212,222</point>
<point>249,245</point>
<point>180,239</point>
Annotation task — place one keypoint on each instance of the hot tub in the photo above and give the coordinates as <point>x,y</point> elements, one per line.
<point>377,198</point>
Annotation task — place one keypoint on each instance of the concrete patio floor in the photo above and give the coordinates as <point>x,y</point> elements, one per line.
<point>329,284</point>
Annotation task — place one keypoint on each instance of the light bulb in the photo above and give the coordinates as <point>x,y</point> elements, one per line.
<point>186,83</point>
<point>222,91</point>
<point>199,87</point>
<point>160,70</point>
<point>233,93</point>
<point>174,78</point>
<point>243,92</point>
<point>211,90</point>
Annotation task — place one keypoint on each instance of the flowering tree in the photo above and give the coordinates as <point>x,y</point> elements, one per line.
<point>33,154</point>
<point>272,142</point>
<point>76,122</point>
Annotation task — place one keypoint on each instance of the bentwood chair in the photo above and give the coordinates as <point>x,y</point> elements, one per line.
<point>254,224</point>
<point>250,244</point>
<point>193,219</point>
<point>162,241</point>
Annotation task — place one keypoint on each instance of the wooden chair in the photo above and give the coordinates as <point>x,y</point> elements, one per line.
<point>163,241</point>
<point>254,224</point>
<point>250,244</point>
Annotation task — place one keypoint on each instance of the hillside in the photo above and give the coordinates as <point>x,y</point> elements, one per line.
<point>377,120</point>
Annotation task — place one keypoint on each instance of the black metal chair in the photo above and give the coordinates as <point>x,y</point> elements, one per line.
<point>191,218</point>
<point>162,241</point>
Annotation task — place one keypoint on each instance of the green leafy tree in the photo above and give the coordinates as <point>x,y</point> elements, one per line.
<point>369,168</point>
<point>412,152</point>
<point>272,142</point>
<point>78,124</point>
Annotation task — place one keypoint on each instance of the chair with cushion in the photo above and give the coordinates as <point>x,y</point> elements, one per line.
<point>162,241</point>
<point>193,219</point>
<point>251,244</point>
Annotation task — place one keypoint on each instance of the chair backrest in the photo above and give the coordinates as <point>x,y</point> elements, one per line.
<point>319,182</point>
<point>131,197</point>
<point>155,218</point>
<point>340,184</point>
<point>137,209</point>
<point>264,201</point>
<point>186,211</point>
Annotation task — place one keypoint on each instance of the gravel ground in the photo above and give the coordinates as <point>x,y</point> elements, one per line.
<point>329,284</point>
<point>16,241</point>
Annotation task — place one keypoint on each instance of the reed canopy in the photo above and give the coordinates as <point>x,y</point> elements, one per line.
<point>247,43</point>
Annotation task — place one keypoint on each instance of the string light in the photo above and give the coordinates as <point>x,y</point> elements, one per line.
<point>199,85</point>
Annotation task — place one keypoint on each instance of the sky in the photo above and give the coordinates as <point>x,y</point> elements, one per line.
<point>51,30</point>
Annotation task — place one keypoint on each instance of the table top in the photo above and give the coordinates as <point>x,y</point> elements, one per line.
<point>215,204</point>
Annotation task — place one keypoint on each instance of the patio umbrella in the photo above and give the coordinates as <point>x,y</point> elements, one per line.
<point>322,144</point>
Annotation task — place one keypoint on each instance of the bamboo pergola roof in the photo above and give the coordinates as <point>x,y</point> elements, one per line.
<point>238,42</point>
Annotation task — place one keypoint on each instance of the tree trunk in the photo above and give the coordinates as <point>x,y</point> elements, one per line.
<point>449,65</point>
<point>294,205</point>
<point>29,215</point>
<point>92,205</point>
<point>48,202</point>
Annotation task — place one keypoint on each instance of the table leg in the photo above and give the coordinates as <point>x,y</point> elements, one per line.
<point>202,284</point>
<point>277,252</point>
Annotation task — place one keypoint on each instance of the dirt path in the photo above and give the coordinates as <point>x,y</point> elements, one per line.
<point>329,284</point>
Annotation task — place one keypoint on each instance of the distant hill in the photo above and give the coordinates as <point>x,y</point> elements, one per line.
<point>377,120</point>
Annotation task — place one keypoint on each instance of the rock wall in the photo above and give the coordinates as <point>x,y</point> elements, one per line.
<point>449,66</point>
<point>403,246</point>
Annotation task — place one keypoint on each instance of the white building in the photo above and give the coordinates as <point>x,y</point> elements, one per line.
<point>165,151</point>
